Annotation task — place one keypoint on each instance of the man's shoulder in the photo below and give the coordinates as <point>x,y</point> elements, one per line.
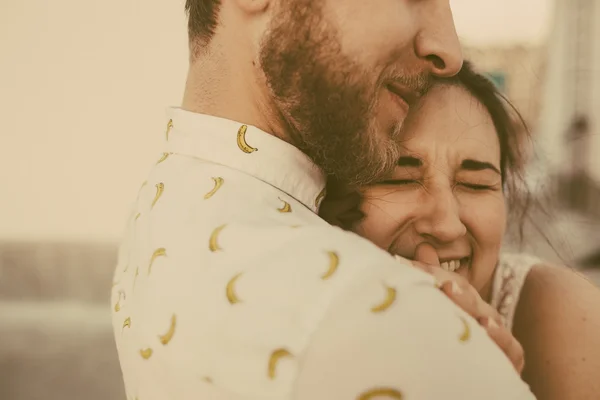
<point>328,253</point>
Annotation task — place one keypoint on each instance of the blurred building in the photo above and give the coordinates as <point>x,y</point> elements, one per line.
<point>556,87</point>
<point>568,134</point>
<point>518,71</point>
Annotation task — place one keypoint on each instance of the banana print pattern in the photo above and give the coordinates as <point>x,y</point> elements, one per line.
<point>166,338</point>
<point>218,183</point>
<point>163,157</point>
<point>146,353</point>
<point>234,290</point>
<point>161,252</point>
<point>230,293</point>
<point>241,141</point>
<point>169,127</point>
<point>213,244</point>
<point>160,188</point>
<point>465,336</point>
<point>121,296</point>
<point>320,198</point>
<point>381,394</point>
<point>286,208</point>
<point>390,298</point>
<point>276,356</point>
<point>334,262</point>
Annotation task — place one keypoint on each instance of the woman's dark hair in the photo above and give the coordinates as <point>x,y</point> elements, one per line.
<point>513,136</point>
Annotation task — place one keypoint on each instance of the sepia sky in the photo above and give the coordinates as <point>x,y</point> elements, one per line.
<point>502,22</point>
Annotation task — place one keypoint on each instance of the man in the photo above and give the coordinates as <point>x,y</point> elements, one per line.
<point>229,285</point>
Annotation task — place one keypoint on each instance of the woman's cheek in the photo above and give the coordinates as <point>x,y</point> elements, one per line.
<point>485,218</point>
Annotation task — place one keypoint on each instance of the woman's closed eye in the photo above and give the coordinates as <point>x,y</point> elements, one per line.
<point>468,185</point>
<point>477,186</point>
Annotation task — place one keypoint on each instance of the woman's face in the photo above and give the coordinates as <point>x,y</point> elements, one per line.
<point>446,190</point>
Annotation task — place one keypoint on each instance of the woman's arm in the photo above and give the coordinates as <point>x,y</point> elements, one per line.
<point>557,322</point>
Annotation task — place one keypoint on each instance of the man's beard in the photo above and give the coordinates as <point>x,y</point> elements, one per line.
<point>325,101</point>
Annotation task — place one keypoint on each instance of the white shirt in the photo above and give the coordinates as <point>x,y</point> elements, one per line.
<point>230,287</point>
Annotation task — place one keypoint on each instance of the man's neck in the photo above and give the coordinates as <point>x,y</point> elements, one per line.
<point>223,87</point>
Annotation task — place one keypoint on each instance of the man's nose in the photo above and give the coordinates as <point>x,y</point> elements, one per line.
<point>440,217</point>
<point>437,42</point>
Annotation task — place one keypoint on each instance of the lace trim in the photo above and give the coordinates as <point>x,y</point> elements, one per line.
<point>509,279</point>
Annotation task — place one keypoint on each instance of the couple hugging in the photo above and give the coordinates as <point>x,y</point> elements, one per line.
<point>327,217</point>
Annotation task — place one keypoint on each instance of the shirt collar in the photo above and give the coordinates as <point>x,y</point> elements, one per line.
<point>247,149</point>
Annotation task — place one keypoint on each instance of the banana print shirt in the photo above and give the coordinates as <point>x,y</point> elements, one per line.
<point>230,287</point>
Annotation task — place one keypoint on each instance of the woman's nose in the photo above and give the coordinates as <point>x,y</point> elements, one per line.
<point>439,217</point>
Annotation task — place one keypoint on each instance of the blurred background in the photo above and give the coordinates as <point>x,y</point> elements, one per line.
<point>83,89</point>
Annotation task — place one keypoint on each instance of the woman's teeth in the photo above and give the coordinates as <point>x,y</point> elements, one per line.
<point>451,265</point>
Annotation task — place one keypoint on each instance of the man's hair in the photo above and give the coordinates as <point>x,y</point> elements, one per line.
<point>203,19</point>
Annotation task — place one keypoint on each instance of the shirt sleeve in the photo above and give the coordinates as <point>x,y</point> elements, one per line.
<point>381,341</point>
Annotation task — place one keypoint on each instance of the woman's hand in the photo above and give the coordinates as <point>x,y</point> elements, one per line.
<point>460,291</point>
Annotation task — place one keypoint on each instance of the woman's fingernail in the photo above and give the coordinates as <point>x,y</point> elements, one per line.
<point>488,323</point>
<point>456,290</point>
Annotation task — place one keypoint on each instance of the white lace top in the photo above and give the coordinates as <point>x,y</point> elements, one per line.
<point>509,279</point>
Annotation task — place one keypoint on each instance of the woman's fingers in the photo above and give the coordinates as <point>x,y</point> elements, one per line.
<point>465,296</point>
<point>506,341</point>
<point>427,254</point>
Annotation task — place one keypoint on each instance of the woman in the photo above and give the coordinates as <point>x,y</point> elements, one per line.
<point>453,188</point>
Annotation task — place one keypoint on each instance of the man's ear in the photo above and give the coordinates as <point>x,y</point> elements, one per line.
<point>253,6</point>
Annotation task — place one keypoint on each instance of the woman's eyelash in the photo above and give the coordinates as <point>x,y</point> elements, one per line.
<point>476,186</point>
<point>473,186</point>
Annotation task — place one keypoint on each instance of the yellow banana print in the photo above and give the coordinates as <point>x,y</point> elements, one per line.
<point>381,393</point>
<point>127,323</point>
<point>274,359</point>
<point>166,338</point>
<point>213,244</point>
<point>162,252</point>
<point>169,127</point>
<point>137,216</point>
<point>390,298</point>
<point>241,141</point>
<point>146,353</point>
<point>232,296</point>
<point>160,188</point>
<point>319,198</point>
<point>118,303</point>
<point>163,158</point>
<point>286,208</point>
<point>218,183</point>
<point>466,334</point>
<point>334,262</point>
